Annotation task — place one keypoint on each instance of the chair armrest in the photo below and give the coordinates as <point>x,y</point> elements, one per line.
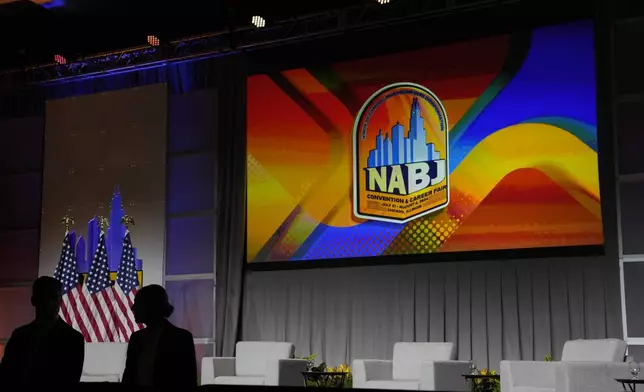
<point>590,376</point>
<point>368,370</point>
<point>444,376</point>
<point>285,372</point>
<point>212,368</point>
<point>531,374</point>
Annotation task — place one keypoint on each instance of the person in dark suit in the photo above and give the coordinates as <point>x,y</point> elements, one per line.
<point>160,355</point>
<point>46,351</point>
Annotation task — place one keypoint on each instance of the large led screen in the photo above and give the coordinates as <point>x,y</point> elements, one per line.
<point>489,144</point>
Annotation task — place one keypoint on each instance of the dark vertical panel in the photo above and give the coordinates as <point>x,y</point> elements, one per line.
<point>541,308</point>
<point>629,57</point>
<point>421,306</point>
<point>451,312</point>
<point>560,316</point>
<point>21,152</point>
<point>407,292</point>
<point>464,311</point>
<point>526,314</point>
<point>15,309</point>
<point>193,121</point>
<point>191,183</point>
<point>436,303</point>
<point>510,312</point>
<point>20,201</point>
<point>630,138</point>
<point>189,245</point>
<point>575,283</point>
<point>594,299</point>
<point>632,209</point>
<point>19,255</point>
<point>494,313</point>
<point>22,145</point>
<point>479,314</point>
<point>634,290</point>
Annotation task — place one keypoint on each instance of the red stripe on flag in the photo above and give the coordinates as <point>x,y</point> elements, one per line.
<point>86,309</point>
<point>103,316</point>
<point>75,310</point>
<point>115,314</point>
<point>125,311</point>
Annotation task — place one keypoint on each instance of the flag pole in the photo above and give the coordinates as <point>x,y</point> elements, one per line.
<point>68,222</point>
<point>127,221</point>
<point>102,223</point>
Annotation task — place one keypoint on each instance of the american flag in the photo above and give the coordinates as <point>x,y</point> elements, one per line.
<point>98,290</point>
<point>125,290</point>
<point>67,274</point>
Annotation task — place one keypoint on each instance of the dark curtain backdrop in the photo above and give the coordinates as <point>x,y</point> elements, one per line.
<point>231,202</point>
<point>492,310</point>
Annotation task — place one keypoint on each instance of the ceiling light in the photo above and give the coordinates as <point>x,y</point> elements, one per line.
<point>258,21</point>
<point>59,59</point>
<point>153,40</point>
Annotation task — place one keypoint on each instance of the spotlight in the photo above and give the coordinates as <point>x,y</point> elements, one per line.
<point>383,1</point>
<point>258,21</point>
<point>153,40</point>
<point>60,59</point>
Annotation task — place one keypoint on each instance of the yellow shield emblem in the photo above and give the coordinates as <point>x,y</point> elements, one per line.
<point>400,155</point>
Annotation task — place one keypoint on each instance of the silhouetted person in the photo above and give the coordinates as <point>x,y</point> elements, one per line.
<point>46,351</point>
<point>160,355</point>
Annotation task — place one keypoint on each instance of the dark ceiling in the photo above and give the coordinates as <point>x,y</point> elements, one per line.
<point>31,34</point>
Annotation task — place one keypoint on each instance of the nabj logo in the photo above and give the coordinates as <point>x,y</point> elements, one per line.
<point>400,155</point>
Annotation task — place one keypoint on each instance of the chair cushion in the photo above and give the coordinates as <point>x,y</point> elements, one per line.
<point>101,378</point>
<point>408,357</point>
<point>239,380</point>
<point>598,350</point>
<point>396,385</point>
<point>251,357</point>
<point>104,359</point>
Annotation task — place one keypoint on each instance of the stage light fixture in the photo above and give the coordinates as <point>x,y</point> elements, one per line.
<point>383,1</point>
<point>258,21</point>
<point>59,59</point>
<point>153,40</point>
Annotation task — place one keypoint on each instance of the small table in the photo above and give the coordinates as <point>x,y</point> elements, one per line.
<point>324,379</point>
<point>485,380</point>
<point>631,382</point>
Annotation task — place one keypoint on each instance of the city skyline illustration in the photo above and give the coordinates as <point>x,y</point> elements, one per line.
<point>86,247</point>
<point>401,149</point>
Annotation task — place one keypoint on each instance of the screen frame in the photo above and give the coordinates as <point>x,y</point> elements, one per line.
<point>509,19</point>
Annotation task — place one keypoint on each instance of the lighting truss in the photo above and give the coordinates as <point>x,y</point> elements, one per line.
<point>358,18</point>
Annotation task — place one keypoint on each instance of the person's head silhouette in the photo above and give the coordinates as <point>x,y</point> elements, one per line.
<point>151,305</point>
<point>46,297</point>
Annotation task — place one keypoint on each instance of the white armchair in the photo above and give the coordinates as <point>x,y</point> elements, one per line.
<point>586,365</point>
<point>256,363</point>
<point>104,362</point>
<point>415,366</point>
